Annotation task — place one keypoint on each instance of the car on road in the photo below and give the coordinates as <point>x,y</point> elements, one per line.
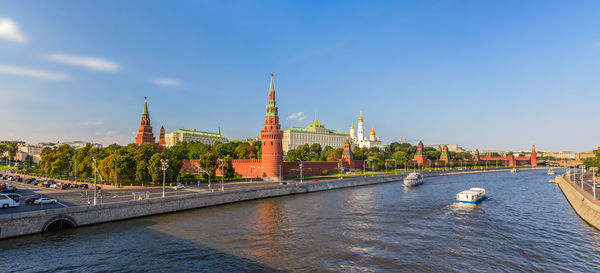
<point>314,179</point>
<point>179,186</point>
<point>45,200</point>
<point>31,200</point>
<point>8,200</point>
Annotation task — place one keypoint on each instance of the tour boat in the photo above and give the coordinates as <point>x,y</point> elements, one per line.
<point>513,170</point>
<point>471,196</point>
<point>413,179</point>
<point>551,172</point>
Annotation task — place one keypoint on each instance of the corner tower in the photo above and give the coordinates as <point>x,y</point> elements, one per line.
<point>533,156</point>
<point>145,134</point>
<point>272,136</point>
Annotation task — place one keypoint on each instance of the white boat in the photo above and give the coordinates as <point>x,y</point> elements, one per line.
<point>513,170</point>
<point>551,172</point>
<point>413,179</point>
<point>471,196</point>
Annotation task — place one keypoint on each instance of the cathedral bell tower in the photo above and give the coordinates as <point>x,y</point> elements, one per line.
<point>272,136</point>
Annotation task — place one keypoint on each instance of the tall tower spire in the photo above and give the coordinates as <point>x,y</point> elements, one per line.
<point>145,134</point>
<point>272,136</point>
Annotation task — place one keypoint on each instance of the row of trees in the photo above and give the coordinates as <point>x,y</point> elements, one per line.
<point>401,153</point>
<point>136,164</point>
<point>593,161</point>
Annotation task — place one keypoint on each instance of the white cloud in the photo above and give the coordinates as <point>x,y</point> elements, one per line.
<point>10,30</point>
<point>299,116</point>
<point>85,62</point>
<point>91,123</point>
<point>168,82</point>
<point>108,133</point>
<point>31,73</point>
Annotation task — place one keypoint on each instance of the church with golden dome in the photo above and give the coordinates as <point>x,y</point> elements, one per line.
<point>359,139</point>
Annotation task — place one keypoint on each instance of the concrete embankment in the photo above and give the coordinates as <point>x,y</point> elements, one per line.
<point>582,202</point>
<point>18,224</point>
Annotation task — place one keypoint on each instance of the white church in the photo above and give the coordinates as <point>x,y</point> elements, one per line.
<point>359,139</point>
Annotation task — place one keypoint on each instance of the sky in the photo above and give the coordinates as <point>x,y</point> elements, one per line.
<point>481,74</point>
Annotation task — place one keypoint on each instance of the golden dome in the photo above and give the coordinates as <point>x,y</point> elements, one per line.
<point>360,119</point>
<point>352,127</point>
<point>372,132</point>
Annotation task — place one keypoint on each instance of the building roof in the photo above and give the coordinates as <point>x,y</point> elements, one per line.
<point>310,130</point>
<point>196,132</point>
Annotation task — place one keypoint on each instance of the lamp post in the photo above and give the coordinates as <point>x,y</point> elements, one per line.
<point>222,174</point>
<point>115,162</point>
<point>95,171</point>
<point>164,165</point>
<point>340,167</point>
<point>594,169</point>
<point>582,167</point>
<point>301,171</point>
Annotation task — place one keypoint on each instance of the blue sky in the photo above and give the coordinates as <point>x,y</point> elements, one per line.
<point>483,74</point>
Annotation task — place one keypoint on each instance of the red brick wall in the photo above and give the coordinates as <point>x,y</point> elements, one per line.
<point>247,167</point>
<point>292,169</point>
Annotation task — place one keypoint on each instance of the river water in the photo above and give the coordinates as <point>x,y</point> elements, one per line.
<point>525,225</point>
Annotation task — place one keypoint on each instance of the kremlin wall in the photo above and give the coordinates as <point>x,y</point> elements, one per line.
<point>272,167</point>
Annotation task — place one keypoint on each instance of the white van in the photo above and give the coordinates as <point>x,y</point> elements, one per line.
<point>8,200</point>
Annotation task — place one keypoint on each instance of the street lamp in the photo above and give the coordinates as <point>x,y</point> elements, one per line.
<point>594,170</point>
<point>301,171</point>
<point>115,161</point>
<point>222,174</point>
<point>164,165</point>
<point>95,171</point>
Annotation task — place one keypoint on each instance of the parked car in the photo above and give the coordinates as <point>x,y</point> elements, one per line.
<point>30,200</point>
<point>97,187</point>
<point>54,186</point>
<point>65,186</point>
<point>74,186</point>
<point>84,186</point>
<point>45,200</point>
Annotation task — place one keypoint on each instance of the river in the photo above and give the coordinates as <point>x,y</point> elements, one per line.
<point>525,225</point>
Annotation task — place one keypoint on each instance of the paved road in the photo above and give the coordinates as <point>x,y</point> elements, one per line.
<point>83,197</point>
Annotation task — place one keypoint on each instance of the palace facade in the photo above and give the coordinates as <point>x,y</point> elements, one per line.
<point>313,133</point>
<point>183,135</point>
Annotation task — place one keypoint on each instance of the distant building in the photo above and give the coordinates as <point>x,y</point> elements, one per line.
<point>360,139</point>
<point>79,144</point>
<point>183,135</point>
<point>568,155</point>
<point>313,133</point>
<point>451,147</point>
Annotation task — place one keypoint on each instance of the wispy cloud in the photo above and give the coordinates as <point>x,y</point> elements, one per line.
<point>91,123</point>
<point>31,73</point>
<point>297,116</point>
<point>92,63</point>
<point>168,82</point>
<point>10,30</point>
